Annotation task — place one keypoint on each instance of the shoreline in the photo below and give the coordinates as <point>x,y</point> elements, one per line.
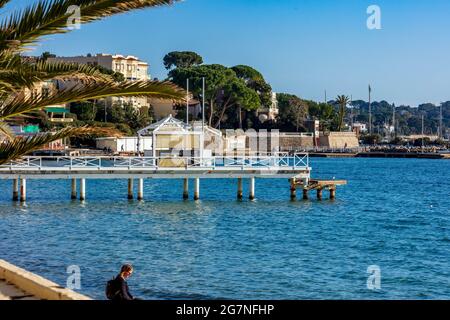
<point>20,284</point>
<point>398,155</point>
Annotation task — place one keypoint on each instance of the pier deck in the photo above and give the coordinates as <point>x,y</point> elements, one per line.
<point>275,166</point>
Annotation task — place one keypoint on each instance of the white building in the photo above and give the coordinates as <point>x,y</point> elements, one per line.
<point>271,112</point>
<point>132,68</point>
<point>124,144</point>
<point>360,127</point>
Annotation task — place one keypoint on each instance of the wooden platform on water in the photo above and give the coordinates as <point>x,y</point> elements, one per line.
<point>318,185</point>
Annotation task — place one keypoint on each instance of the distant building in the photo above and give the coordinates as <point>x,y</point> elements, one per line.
<point>56,113</point>
<point>269,113</point>
<point>359,127</point>
<point>132,68</point>
<point>162,108</point>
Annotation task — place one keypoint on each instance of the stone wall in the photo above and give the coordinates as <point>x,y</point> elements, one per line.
<point>339,140</point>
<point>36,285</point>
<point>292,141</point>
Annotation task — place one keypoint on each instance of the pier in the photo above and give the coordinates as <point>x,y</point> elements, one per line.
<point>318,186</point>
<point>79,170</point>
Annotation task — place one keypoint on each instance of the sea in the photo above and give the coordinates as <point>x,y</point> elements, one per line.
<point>386,236</point>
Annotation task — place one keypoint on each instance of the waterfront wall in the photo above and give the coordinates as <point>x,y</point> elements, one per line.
<point>339,140</point>
<point>292,141</point>
<point>36,285</point>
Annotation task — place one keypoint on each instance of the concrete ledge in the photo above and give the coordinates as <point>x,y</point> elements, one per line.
<point>36,285</point>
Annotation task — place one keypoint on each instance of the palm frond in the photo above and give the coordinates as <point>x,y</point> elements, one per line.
<point>47,17</point>
<point>3,3</point>
<point>5,131</point>
<point>89,91</point>
<point>16,74</point>
<point>20,146</point>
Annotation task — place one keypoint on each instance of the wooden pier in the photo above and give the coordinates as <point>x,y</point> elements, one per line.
<point>79,170</point>
<point>315,184</point>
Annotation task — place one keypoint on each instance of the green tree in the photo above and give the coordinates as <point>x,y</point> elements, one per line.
<point>256,82</point>
<point>182,59</point>
<point>342,100</point>
<point>293,111</point>
<point>117,76</point>
<point>216,77</point>
<point>45,55</point>
<point>85,111</point>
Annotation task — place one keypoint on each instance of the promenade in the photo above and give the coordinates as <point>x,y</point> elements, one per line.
<point>19,284</point>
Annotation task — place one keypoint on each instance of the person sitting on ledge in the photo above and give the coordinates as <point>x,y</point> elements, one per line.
<point>121,286</point>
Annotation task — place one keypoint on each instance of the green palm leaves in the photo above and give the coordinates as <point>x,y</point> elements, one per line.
<point>25,28</point>
<point>342,100</point>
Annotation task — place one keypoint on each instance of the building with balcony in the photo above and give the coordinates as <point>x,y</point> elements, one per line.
<point>132,68</point>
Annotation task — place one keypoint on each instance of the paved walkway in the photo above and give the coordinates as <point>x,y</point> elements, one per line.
<point>10,292</point>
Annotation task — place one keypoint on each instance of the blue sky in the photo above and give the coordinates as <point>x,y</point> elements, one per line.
<point>301,46</point>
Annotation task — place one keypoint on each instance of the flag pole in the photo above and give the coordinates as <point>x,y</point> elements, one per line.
<point>187,101</point>
<point>203,105</point>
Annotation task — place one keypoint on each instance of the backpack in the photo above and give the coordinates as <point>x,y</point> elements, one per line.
<point>111,289</point>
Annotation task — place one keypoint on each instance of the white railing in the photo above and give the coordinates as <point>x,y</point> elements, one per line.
<point>278,160</point>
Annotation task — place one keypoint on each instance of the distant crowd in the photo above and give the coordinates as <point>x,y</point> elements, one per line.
<point>412,149</point>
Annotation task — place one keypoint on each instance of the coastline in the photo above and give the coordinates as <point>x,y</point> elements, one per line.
<point>400,155</point>
<point>19,284</point>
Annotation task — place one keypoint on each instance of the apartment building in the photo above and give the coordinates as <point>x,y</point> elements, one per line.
<point>132,68</point>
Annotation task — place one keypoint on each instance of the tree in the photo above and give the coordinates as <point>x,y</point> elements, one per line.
<point>45,55</point>
<point>25,28</point>
<point>255,81</point>
<point>293,111</point>
<point>237,94</point>
<point>85,111</point>
<point>117,76</point>
<point>182,59</point>
<point>342,100</point>
<point>224,90</point>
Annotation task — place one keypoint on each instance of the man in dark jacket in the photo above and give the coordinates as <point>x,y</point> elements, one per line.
<point>123,293</point>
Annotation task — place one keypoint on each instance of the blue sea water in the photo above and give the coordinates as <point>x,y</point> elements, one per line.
<point>394,213</point>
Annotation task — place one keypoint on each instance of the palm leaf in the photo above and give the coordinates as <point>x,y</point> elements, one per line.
<point>5,131</point>
<point>48,17</point>
<point>3,2</point>
<point>89,91</point>
<point>16,74</point>
<point>20,146</point>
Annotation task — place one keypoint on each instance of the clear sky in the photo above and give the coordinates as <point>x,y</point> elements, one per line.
<point>301,46</point>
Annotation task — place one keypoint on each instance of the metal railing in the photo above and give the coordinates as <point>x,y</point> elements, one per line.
<point>274,161</point>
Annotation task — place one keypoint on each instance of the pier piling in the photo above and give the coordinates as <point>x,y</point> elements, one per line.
<point>319,194</point>
<point>305,194</point>
<point>332,194</point>
<point>15,196</point>
<point>240,189</point>
<point>130,189</point>
<point>293,189</point>
<point>23,190</point>
<point>82,189</point>
<point>252,189</point>
<point>186,189</point>
<point>73,194</point>
<point>197,189</point>
<point>141,190</point>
